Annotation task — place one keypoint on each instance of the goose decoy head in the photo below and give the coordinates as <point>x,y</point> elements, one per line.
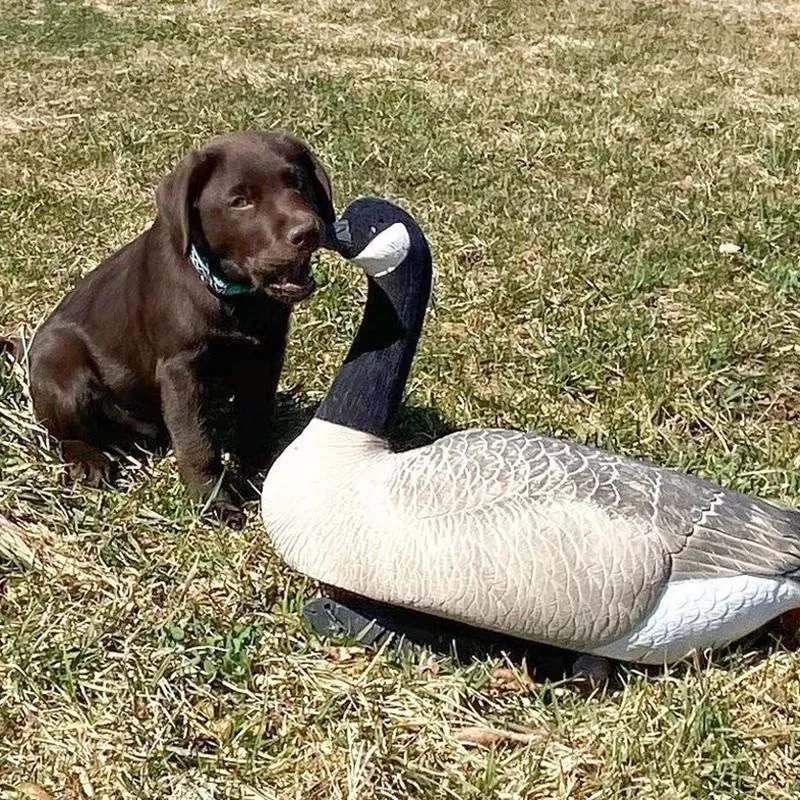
<point>380,236</point>
<point>391,249</point>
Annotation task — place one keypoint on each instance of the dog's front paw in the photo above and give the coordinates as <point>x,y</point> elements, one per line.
<point>226,510</point>
<point>87,464</point>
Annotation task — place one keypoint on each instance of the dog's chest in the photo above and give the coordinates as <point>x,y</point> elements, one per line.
<point>251,326</point>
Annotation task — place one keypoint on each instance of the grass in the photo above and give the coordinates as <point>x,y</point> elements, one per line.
<point>577,167</point>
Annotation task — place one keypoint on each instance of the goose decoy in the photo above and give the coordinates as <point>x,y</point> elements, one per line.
<point>533,537</point>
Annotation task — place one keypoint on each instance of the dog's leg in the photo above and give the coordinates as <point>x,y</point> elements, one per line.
<point>255,383</point>
<point>67,394</point>
<point>86,463</point>
<point>185,414</point>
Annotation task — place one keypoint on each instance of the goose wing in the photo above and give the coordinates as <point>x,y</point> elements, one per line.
<point>569,544</point>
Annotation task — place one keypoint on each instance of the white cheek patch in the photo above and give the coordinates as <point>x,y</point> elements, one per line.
<point>386,252</point>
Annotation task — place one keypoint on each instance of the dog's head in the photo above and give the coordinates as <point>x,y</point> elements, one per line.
<point>259,202</point>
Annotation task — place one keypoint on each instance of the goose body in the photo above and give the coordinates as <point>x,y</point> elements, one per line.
<point>542,539</point>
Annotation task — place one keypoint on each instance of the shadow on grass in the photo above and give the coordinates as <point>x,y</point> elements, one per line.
<point>354,619</point>
<point>414,426</point>
<point>351,619</point>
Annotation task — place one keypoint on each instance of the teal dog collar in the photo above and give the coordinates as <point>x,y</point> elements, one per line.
<point>219,285</point>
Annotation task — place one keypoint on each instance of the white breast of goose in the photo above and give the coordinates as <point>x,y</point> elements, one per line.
<point>313,498</point>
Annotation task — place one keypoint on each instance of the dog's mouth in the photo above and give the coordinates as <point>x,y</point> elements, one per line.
<point>289,291</point>
<point>292,285</point>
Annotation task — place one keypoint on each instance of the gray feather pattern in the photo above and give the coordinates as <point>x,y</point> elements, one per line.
<point>575,544</point>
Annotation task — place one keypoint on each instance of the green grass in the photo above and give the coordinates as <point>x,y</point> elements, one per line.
<point>577,167</point>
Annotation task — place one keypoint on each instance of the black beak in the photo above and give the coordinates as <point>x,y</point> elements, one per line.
<point>337,237</point>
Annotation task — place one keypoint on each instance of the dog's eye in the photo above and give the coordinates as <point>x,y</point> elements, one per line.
<point>240,202</point>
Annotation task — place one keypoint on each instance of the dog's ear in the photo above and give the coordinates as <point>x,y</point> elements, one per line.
<point>323,192</point>
<point>177,192</point>
<point>300,152</point>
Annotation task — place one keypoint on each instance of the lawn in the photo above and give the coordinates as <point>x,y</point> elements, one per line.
<point>577,167</point>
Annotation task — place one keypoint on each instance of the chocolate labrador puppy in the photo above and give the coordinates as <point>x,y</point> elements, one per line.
<point>193,312</point>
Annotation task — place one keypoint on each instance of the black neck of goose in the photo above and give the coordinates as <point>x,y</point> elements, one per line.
<point>368,387</point>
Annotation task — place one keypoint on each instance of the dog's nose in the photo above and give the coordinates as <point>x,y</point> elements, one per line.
<point>304,234</point>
